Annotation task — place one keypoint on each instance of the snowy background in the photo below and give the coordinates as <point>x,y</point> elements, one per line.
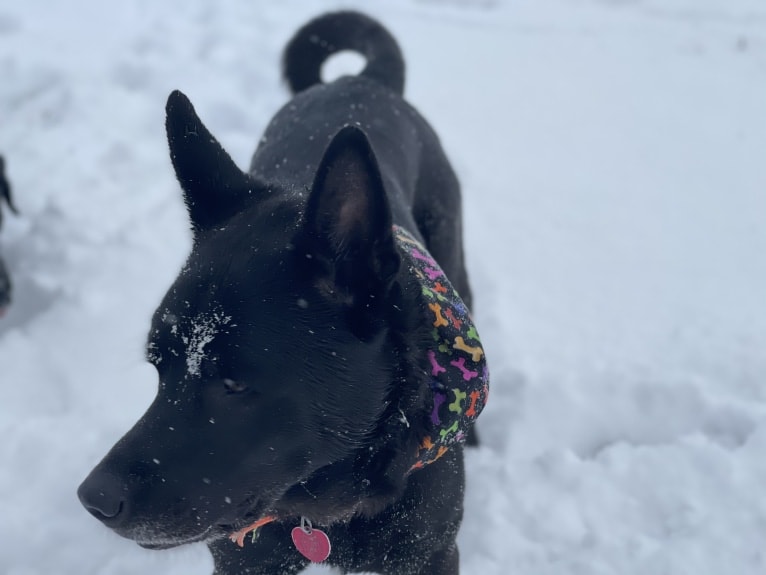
<point>613,158</point>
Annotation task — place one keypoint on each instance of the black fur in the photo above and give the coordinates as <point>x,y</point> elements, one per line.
<point>292,377</point>
<point>5,197</point>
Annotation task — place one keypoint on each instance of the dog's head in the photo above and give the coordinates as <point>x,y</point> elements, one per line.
<point>273,347</point>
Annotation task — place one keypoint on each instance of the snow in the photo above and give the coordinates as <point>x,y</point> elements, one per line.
<point>612,158</point>
<point>204,328</point>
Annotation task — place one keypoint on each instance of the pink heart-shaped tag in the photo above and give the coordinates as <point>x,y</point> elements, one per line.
<point>313,544</point>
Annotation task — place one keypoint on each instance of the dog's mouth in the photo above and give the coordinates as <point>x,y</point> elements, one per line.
<point>250,511</point>
<point>167,541</point>
<point>154,546</point>
<point>234,526</point>
<point>240,520</point>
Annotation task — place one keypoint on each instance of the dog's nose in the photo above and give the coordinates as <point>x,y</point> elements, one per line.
<point>104,496</point>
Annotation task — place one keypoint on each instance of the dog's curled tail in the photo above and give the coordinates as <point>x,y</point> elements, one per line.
<point>322,37</point>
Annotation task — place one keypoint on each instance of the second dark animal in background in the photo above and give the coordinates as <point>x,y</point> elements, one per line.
<point>5,278</point>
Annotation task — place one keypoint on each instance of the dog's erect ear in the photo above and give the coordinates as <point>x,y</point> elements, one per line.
<point>214,187</point>
<point>348,218</point>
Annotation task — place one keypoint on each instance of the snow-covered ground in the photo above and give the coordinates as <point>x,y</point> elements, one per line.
<point>613,157</point>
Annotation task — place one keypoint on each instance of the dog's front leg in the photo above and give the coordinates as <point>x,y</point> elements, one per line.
<point>443,562</point>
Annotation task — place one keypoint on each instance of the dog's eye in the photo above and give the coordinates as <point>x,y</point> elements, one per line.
<point>232,386</point>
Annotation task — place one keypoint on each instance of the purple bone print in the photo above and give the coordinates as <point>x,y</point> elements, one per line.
<point>439,398</point>
<point>432,273</point>
<point>468,375</point>
<point>436,369</point>
<point>418,255</point>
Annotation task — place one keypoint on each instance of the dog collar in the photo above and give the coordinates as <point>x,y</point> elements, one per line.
<point>456,365</point>
<point>313,544</point>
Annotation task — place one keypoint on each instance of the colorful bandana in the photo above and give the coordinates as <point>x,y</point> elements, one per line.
<point>458,374</point>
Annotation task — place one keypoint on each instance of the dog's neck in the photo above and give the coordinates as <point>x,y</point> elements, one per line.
<point>455,362</point>
<point>458,379</point>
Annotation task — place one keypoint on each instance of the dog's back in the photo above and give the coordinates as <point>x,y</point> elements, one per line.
<point>418,177</point>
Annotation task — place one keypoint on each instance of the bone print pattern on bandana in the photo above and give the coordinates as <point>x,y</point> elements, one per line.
<point>457,367</point>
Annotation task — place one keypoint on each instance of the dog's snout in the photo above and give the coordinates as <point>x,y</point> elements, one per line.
<point>104,496</point>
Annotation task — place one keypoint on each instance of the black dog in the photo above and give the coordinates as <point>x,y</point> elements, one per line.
<point>317,371</point>
<point>5,278</point>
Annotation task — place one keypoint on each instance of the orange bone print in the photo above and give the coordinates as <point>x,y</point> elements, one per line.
<point>474,352</point>
<point>420,464</point>
<point>458,323</point>
<point>437,309</point>
<point>425,445</point>
<point>471,411</point>
<point>442,450</point>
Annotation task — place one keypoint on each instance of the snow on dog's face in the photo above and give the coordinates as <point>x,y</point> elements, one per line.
<point>270,347</point>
